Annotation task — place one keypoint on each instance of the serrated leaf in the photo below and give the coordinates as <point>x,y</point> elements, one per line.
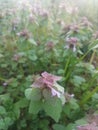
<point>71,126</point>
<point>33,94</point>
<point>8,121</point>
<point>73,104</point>
<point>67,109</point>
<point>78,80</point>
<point>2,110</point>
<point>95,96</point>
<point>95,47</point>
<point>4,97</point>
<point>62,98</point>
<point>81,122</point>
<point>28,93</point>
<point>1,56</point>
<point>53,108</point>
<point>35,107</point>
<point>36,94</point>
<point>22,103</point>
<point>58,127</point>
<point>2,125</point>
<point>32,57</point>
<point>32,41</point>
<point>47,94</point>
<point>16,111</point>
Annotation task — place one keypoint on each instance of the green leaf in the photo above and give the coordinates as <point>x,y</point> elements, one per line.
<point>35,106</point>
<point>22,103</point>
<point>95,96</point>
<point>28,93</point>
<point>4,97</point>
<point>62,98</point>
<point>67,109</point>
<point>53,108</point>
<point>31,54</point>
<point>8,121</point>
<point>2,125</point>
<point>58,127</point>
<point>47,94</point>
<point>33,94</point>
<point>32,57</point>
<point>16,111</point>
<point>71,126</point>
<point>1,55</point>
<point>2,110</point>
<point>94,47</point>
<point>81,122</point>
<point>73,104</point>
<point>78,80</point>
<point>44,124</point>
<point>32,41</point>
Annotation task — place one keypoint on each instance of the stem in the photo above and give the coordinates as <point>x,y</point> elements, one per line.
<point>84,55</point>
<point>2,79</point>
<point>84,101</point>
<point>66,66</point>
<point>92,57</point>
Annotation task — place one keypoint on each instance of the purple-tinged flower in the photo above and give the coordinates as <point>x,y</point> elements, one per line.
<point>15,23</point>
<point>68,96</point>
<point>85,22</point>
<point>95,35</point>
<point>32,19</point>
<point>72,10</point>
<point>62,6</point>
<point>47,80</point>
<point>66,28</point>
<point>74,28</point>
<point>49,46</point>
<point>2,15</point>
<point>92,118</point>
<point>44,13</point>
<point>5,84</point>
<point>91,126</point>
<point>71,43</point>
<point>24,33</point>
<point>16,57</point>
<point>61,23</point>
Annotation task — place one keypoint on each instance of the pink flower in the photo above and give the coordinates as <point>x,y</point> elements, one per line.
<point>95,35</point>
<point>85,22</point>
<point>49,81</point>
<point>49,46</point>
<point>88,127</point>
<point>71,43</point>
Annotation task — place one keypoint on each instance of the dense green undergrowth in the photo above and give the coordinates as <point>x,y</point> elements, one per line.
<point>48,68</point>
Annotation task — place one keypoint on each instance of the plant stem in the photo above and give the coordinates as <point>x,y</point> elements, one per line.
<point>66,66</point>
<point>2,79</point>
<point>92,57</point>
<point>84,101</point>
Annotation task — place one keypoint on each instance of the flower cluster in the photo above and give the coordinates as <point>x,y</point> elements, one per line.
<point>95,35</point>
<point>88,127</point>
<point>71,43</point>
<point>85,22</point>
<point>49,82</point>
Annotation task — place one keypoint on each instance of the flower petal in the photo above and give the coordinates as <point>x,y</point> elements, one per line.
<point>55,93</point>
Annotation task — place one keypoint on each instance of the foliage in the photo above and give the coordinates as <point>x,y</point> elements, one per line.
<point>48,67</point>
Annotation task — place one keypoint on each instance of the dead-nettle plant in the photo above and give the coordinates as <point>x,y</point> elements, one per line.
<point>46,94</point>
<point>36,38</point>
